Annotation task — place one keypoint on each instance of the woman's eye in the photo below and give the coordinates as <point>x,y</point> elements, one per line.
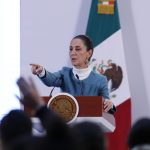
<point>78,49</point>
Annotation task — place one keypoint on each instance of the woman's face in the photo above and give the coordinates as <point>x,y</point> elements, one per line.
<point>78,53</point>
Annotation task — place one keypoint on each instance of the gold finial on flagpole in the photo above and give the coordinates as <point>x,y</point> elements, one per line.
<point>106,7</point>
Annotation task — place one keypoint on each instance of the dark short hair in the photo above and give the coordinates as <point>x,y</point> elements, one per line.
<point>89,135</point>
<point>139,133</point>
<point>15,123</point>
<point>87,42</point>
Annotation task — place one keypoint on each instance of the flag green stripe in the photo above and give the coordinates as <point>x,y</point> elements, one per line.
<point>101,26</point>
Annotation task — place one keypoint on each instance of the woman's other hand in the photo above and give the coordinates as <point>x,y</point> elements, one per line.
<point>108,104</point>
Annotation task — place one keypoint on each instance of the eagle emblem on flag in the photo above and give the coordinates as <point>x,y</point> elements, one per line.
<point>112,71</point>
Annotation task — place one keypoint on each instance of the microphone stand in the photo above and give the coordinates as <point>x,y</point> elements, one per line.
<point>50,95</point>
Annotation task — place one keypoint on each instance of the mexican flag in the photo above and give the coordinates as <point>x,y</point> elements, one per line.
<point>108,59</point>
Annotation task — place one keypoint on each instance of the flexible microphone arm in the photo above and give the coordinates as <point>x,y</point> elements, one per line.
<point>50,95</point>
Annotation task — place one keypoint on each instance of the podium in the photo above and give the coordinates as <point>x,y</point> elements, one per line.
<point>90,109</point>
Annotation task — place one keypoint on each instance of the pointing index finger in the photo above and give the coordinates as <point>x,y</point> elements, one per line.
<point>34,65</point>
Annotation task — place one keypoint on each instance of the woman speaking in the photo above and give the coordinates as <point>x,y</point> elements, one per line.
<point>79,80</point>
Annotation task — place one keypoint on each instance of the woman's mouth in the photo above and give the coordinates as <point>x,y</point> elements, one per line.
<point>73,59</point>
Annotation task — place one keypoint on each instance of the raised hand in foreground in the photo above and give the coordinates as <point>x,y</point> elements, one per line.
<point>30,96</point>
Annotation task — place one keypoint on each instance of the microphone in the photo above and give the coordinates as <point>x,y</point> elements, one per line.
<point>57,80</point>
<point>77,76</point>
<point>80,83</point>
